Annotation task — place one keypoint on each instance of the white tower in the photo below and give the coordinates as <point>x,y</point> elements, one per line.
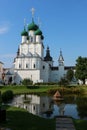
<point>61,65</point>
<point>30,56</point>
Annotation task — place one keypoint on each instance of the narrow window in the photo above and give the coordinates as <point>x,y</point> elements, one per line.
<point>43,104</point>
<point>34,66</point>
<point>19,65</point>
<point>27,65</point>
<point>34,108</point>
<point>43,67</point>
<point>31,39</point>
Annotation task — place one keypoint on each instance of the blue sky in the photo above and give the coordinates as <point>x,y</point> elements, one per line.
<point>63,23</point>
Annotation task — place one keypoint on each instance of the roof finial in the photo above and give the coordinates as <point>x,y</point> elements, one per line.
<point>39,22</point>
<point>32,11</point>
<point>24,24</point>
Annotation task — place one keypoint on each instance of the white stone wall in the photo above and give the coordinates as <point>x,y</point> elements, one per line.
<point>39,49</point>
<point>34,75</point>
<point>28,63</point>
<point>61,72</point>
<point>38,38</point>
<point>44,75</point>
<point>54,77</point>
<point>24,39</point>
<point>32,36</point>
<point>24,48</point>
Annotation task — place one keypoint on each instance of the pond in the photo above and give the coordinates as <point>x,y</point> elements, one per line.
<point>45,106</point>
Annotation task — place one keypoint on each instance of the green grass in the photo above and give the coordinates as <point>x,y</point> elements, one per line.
<point>45,89</point>
<point>80,124</point>
<point>20,119</point>
<point>24,89</point>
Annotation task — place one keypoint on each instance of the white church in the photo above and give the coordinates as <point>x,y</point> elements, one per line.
<point>31,63</point>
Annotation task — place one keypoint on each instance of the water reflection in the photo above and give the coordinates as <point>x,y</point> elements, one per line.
<point>45,106</point>
<point>82,107</point>
<point>34,104</point>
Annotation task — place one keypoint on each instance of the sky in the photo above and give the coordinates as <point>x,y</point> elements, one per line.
<point>63,23</point>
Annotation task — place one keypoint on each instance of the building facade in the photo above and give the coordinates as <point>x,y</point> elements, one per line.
<point>30,61</point>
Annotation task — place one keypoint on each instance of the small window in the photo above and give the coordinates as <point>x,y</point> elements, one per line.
<point>34,108</point>
<point>19,65</point>
<point>34,66</point>
<point>31,39</point>
<point>43,67</point>
<point>27,65</point>
<point>44,105</point>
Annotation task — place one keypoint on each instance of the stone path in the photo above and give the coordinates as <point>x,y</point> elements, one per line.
<point>64,123</point>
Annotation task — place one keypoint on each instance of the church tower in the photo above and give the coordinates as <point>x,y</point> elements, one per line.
<point>48,58</point>
<point>61,59</point>
<point>30,54</point>
<point>61,66</point>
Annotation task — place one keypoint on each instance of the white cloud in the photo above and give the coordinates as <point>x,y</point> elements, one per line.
<point>3,30</point>
<point>4,27</point>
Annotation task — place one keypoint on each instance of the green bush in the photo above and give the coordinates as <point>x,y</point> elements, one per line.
<point>32,86</point>
<point>6,96</point>
<point>27,82</point>
<point>48,83</point>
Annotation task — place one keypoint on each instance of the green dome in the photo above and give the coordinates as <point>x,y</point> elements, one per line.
<point>32,26</point>
<point>24,33</point>
<point>38,32</point>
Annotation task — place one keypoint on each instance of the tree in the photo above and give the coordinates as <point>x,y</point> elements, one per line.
<point>63,82</point>
<point>81,68</point>
<point>70,75</point>
<point>7,95</point>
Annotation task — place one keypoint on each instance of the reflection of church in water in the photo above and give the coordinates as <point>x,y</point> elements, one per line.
<point>37,105</point>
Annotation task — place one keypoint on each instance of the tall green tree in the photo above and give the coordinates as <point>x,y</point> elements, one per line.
<point>81,68</point>
<point>70,75</point>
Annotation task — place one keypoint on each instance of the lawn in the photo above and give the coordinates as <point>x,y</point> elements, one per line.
<point>24,89</point>
<point>20,119</point>
<point>80,124</point>
<point>45,89</point>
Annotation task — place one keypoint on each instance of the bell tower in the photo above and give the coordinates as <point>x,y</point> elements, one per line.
<point>61,59</point>
<point>61,66</point>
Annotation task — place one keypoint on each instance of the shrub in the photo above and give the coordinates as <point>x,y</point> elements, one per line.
<point>6,96</point>
<point>32,86</point>
<point>27,82</point>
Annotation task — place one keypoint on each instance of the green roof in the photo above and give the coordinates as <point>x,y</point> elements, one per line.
<point>38,32</point>
<point>32,26</point>
<point>24,33</point>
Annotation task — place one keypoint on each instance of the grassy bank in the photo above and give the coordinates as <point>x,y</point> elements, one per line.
<point>46,89</point>
<point>20,119</point>
<point>80,124</point>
